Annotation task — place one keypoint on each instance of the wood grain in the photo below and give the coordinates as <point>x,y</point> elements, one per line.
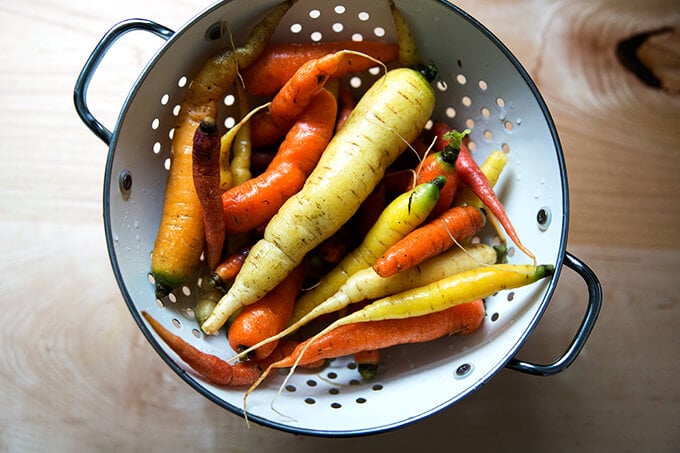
<point>78,375</point>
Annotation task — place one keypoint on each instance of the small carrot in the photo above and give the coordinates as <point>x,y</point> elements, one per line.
<point>254,202</point>
<point>440,163</point>
<point>356,337</point>
<point>225,273</point>
<point>206,174</point>
<point>210,367</point>
<point>439,234</point>
<point>278,62</point>
<point>408,49</point>
<point>401,216</point>
<point>299,90</point>
<point>242,146</point>
<point>266,317</point>
<point>366,284</point>
<point>470,173</point>
<point>180,239</point>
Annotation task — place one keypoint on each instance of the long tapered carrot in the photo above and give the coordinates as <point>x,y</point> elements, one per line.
<point>206,174</point>
<point>470,173</point>
<point>373,335</point>
<point>266,317</point>
<point>254,202</point>
<point>439,234</point>
<point>210,367</point>
<point>278,62</point>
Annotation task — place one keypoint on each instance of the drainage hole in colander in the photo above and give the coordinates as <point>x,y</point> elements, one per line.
<point>482,85</point>
<point>332,375</point>
<point>336,405</point>
<point>511,296</point>
<point>543,218</point>
<point>500,102</point>
<point>494,317</point>
<point>486,113</point>
<point>463,370</point>
<point>311,383</point>
<point>291,388</point>
<point>333,391</point>
<point>461,79</point>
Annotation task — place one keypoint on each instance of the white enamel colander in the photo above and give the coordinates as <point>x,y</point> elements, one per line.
<point>482,87</point>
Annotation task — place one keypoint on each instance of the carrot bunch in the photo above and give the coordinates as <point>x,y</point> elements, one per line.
<point>336,245</point>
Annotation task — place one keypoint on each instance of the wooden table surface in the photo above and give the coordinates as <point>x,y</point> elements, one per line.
<point>77,373</point>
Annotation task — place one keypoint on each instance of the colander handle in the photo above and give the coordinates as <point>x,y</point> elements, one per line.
<point>592,311</point>
<point>83,81</point>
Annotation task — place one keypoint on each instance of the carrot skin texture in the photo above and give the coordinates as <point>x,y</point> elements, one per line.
<point>391,113</point>
<point>255,201</point>
<point>278,62</point>
<point>179,242</point>
<point>456,289</point>
<point>266,317</point>
<point>210,367</point>
<point>357,337</point>
<point>401,216</point>
<point>430,240</point>
<point>206,174</point>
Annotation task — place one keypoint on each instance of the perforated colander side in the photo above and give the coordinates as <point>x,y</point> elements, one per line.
<point>482,88</point>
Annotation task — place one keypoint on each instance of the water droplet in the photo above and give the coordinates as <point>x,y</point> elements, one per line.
<point>519,176</point>
<point>503,115</point>
<point>542,181</point>
<point>537,194</point>
<point>115,238</point>
<point>136,224</point>
<point>519,121</point>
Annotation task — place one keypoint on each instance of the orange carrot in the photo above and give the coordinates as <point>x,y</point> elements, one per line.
<point>279,62</point>
<point>431,239</point>
<point>294,97</point>
<point>226,271</point>
<point>474,177</point>
<point>266,317</point>
<point>373,335</point>
<point>206,173</point>
<point>211,367</point>
<point>440,163</point>
<point>254,202</point>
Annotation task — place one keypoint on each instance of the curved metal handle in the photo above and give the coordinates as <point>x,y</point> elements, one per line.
<point>80,89</point>
<point>593,309</point>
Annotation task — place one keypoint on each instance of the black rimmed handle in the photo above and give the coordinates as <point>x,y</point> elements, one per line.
<point>587,324</point>
<point>80,90</point>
